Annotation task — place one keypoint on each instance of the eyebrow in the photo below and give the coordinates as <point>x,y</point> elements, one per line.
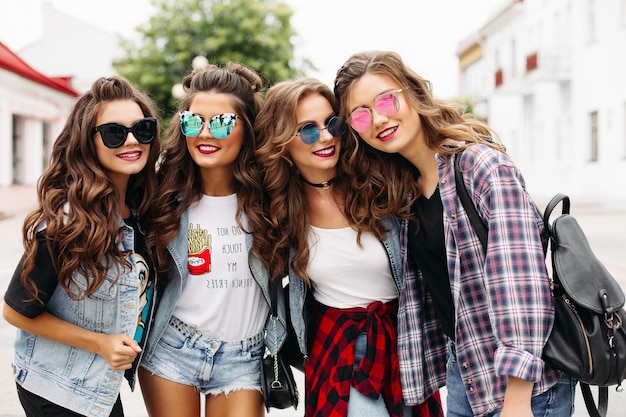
<point>326,119</point>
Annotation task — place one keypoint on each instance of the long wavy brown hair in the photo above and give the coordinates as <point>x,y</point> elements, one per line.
<point>392,175</point>
<point>180,183</point>
<point>85,239</point>
<point>286,207</point>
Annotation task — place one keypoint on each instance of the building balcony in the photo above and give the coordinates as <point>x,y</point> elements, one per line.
<point>546,65</point>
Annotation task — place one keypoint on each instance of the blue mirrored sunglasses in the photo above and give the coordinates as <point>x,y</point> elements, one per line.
<point>220,125</point>
<point>310,133</point>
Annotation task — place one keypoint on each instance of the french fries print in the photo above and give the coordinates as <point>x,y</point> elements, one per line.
<point>198,250</point>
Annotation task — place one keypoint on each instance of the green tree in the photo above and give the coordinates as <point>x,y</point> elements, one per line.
<point>251,32</point>
<point>470,107</point>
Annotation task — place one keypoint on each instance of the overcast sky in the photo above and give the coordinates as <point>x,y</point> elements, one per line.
<point>425,32</point>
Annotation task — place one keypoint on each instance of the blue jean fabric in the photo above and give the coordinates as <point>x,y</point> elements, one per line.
<point>558,401</point>
<point>360,405</point>
<point>186,356</point>
<point>75,378</point>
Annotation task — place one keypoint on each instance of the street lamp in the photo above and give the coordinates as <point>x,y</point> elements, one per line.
<point>178,91</point>
<point>198,62</point>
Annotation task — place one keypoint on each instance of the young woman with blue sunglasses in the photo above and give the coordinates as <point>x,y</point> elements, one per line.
<point>208,336</point>
<point>474,320</point>
<point>84,291</point>
<point>344,275</point>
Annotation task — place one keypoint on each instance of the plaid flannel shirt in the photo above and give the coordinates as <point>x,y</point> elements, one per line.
<point>503,306</point>
<point>329,368</point>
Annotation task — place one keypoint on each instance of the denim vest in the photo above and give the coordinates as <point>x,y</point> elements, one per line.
<point>298,288</point>
<point>75,378</point>
<point>175,281</point>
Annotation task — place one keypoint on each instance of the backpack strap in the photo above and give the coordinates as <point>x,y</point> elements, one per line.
<point>475,220</point>
<point>551,206</point>
<point>603,400</point>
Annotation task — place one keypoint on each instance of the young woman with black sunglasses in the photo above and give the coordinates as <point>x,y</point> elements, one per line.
<point>208,336</point>
<point>83,292</point>
<point>344,275</point>
<point>475,320</point>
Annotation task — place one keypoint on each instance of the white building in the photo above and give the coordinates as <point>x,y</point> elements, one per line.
<point>550,77</point>
<point>72,48</point>
<point>33,109</point>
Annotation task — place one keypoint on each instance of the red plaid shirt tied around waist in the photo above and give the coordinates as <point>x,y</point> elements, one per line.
<point>329,370</point>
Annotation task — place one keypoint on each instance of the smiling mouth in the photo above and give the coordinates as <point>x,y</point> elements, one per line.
<point>387,132</point>
<point>208,148</point>
<point>130,155</point>
<point>326,151</point>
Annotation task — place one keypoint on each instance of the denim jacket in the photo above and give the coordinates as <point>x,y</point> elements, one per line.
<point>298,288</point>
<point>75,378</point>
<point>175,282</point>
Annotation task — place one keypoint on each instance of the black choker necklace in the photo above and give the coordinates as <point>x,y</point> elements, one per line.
<point>323,185</point>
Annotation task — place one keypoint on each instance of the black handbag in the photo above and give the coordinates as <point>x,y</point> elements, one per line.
<point>588,338</point>
<point>277,380</point>
<point>291,350</point>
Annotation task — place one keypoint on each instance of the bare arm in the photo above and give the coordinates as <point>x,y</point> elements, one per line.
<point>517,398</point>
<point>118,350</point>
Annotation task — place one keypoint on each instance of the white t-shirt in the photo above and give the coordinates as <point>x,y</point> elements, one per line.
<point>221,298</point>
<point>346,275</point>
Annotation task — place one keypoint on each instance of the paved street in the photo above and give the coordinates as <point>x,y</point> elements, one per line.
<point>603,222</point>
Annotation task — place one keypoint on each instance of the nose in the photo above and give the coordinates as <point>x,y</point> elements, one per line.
<point>204,130</point>
<point>325,135</point>
<point>130,139</point>
<point>377,117</point>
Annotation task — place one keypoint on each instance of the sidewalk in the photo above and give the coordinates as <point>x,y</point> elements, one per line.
<point>17,200</point>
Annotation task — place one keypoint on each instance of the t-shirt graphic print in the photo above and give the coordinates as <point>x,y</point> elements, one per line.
<point>198,250</point>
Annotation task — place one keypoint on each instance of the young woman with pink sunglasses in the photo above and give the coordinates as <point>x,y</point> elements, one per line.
<point>475,321</point>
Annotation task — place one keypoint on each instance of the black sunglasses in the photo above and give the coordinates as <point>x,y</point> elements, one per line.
<point>114,134</point>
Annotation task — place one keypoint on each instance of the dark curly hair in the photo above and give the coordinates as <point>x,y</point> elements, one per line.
<point>85,238</point>
<point>178,175</point>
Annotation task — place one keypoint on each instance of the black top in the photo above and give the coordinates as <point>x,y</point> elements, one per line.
<point>44,277</point>
<point>428,252</point>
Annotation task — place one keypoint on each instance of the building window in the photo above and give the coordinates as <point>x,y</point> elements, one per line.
<point>47,144</point>
<point>591,20</point>
<point>624,130</point>
<point>593,121</point>
<point>513,58</point>
<point>499,77</point>
<point>531,62</point>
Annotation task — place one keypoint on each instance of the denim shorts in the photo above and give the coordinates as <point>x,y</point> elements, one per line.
<point>186,356</point>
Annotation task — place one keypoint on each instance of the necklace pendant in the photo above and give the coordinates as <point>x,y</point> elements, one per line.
<point>325,185</point>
